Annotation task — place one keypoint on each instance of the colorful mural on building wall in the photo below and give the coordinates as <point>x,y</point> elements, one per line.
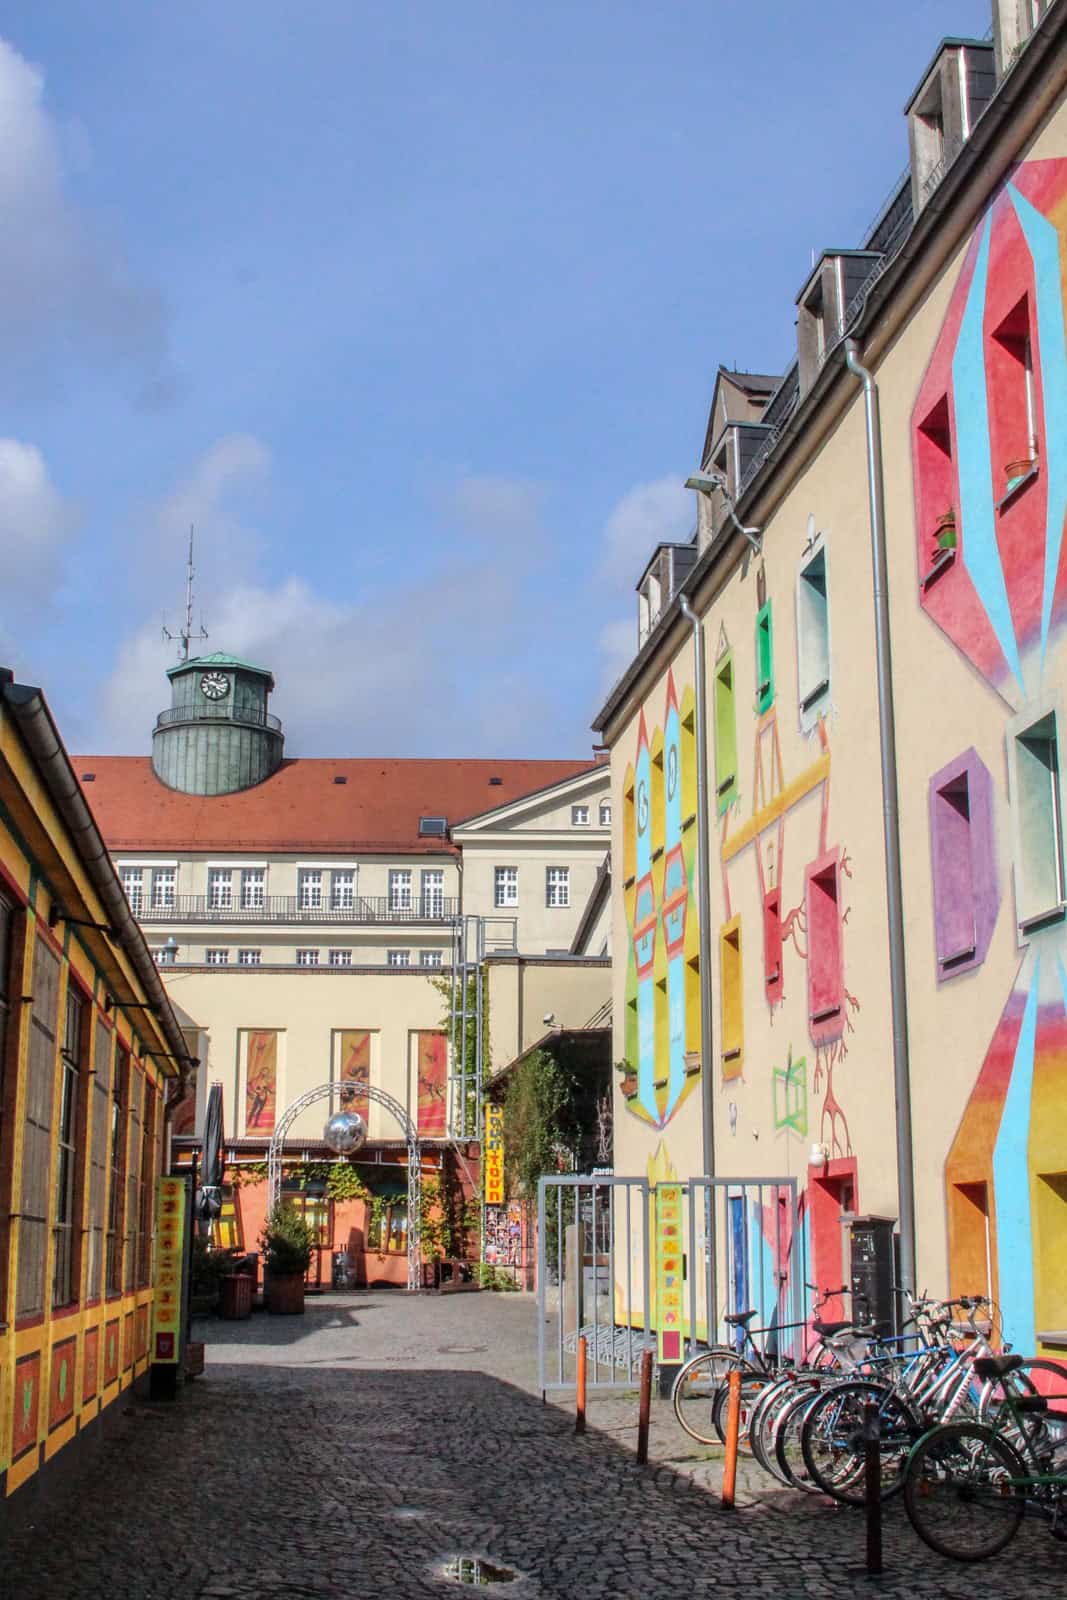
<point>806,923</point>
<point>990,465</point>
<point>662,1028</point>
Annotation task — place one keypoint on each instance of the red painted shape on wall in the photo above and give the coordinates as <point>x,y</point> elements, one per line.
<point>61,1385</point>
<point>826,972</point>
<point>772,944</point>
<point>25,1404</point>
<point>832,1190</point>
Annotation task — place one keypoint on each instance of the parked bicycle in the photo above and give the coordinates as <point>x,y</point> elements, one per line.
<point>699,1390</point>
<point>968,1484</point>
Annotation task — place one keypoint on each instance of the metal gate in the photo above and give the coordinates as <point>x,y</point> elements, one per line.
<point>592,1279</point>
<point>744,1247</point>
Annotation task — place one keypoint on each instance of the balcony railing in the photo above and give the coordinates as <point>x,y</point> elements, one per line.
<point>225,711</point>
<point>294,908</point>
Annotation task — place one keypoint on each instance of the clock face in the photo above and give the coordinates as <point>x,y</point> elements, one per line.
<point>214,685</point>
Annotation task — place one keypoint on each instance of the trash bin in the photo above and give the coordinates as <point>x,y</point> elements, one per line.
<point>236,1297</point>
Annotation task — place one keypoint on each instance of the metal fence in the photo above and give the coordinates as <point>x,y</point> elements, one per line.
<point>744,1247</point>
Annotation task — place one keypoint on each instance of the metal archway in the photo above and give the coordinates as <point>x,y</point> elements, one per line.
<point>346,1092</point>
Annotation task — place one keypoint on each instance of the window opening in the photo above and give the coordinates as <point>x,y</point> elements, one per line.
<point>64,1286</point>
<point>400,890</point>
<point>219,888</point>
<point>1041,885</point>
<point>253,888</point>
<point>310,890</point>
<point>343,890</point>
<point>725,734</point>
<point>307,958</point>
<point>398,958</point>
<point>164,882</point>
<point>813,639</point>
<point>506,886</point>
<point>433,892</point>
<point>731,999</point>
<point>133,887</point>
<point>557,886</point>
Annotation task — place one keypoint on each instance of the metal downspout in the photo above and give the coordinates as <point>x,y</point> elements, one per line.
<point>707,1087</point>
<point>887,741</point>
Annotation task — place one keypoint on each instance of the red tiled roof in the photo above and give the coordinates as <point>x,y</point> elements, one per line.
<point>301,808</point>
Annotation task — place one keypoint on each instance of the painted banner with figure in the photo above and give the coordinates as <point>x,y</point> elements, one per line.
<point>261,1081</point>
<point>432,1066</point>
<point>355,1068</point>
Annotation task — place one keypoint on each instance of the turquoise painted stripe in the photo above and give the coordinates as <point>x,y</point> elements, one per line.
<point>646,1047</point>
<point>980,554</point>
<point>1044,243</point>
<point>1011,1187</point>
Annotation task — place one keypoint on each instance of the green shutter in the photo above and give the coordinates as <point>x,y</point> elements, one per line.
<point>764,659</point>
<point>725,733</point>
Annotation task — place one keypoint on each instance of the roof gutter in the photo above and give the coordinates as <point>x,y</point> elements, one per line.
<point>36,726</point>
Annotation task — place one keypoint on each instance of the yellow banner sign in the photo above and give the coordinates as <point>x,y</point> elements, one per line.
<point>670,1295</point>
<point>493,1156</point>
<point>167,1307</point>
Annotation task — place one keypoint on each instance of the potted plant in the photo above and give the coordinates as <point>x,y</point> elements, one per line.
<point>945,531</point>
<point>1016,471</point>
<point>287,1243</point>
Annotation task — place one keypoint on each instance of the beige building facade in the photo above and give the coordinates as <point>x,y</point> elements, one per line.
<point>876,927</point>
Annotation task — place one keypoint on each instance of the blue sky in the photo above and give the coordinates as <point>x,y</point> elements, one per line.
<point>415,311</point>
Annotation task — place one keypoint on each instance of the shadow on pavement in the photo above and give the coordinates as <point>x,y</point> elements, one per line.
<point>284,1481</point>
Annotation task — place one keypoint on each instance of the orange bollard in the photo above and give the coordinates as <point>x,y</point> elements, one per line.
<point>646,1401</point>
<point>579,1420</point>
<point>733,1428</point>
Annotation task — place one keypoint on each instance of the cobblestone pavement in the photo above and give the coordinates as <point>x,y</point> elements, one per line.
<point>350,1452</point>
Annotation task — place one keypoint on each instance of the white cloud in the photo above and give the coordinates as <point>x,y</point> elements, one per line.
<point>647,515</point>
<point>35,523</point>
<point>62,288</point>
<point>617,642</point>
<point>446,661</point>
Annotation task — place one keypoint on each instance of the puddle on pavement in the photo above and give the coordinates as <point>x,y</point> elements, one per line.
<point>461,1349</point>
<point>475,1572</point>
<point>408,1513</point>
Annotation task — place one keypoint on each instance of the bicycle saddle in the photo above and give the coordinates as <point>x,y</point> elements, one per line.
<point>997,1366</point>
<point>826,1328</point>
<point>739,1317</point>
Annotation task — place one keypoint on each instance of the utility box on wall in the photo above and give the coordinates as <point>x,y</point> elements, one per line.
<point>872,1271</point>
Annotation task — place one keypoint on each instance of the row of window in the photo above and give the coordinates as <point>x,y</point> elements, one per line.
<point>506,886</point>
<point>245,889</point>
<point>387,1223</point>
<point>813,671</point>
<point>62,1164</point>
<point>223,957</point>
<point>580,815</point>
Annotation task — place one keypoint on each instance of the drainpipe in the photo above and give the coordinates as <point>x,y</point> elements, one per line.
<point>707,1087</point>
<point>887,740</point>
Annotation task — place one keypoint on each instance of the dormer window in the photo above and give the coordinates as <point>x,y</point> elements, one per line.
<point>827,304</point>
<point>956,89</point>
<point>1013,23</point>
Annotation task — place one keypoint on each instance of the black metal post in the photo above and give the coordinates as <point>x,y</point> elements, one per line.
<point>872,1486</point>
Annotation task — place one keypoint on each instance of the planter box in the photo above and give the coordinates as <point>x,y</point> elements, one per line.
<point>285,1294</point>
<point>235,1298</point>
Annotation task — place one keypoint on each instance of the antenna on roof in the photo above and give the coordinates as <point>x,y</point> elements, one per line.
<point>184,635</point>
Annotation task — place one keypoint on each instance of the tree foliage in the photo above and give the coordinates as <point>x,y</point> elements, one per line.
<point>542,1131</point>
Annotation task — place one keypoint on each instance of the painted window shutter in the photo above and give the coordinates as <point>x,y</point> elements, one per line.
<point>764,659</point>
<point>825,968</point>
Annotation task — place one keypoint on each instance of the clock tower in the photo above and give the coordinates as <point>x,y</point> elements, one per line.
<point>218,736</point>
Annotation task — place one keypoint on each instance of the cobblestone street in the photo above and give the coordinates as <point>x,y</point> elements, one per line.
<point>353,1451</point>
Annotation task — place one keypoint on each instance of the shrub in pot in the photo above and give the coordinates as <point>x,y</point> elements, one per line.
<point>287,1243</point>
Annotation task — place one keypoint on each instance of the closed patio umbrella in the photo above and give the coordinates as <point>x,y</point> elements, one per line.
<point>209,1195</point>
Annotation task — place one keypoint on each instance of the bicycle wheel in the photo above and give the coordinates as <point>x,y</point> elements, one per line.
<point>696,1387</point>
<point>788,1455</point>
<point>831,1439</point>
<point>959,1493</point>
<point>775,1398</point>
<point>1041,1437</point>
<point>754,1385</point>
